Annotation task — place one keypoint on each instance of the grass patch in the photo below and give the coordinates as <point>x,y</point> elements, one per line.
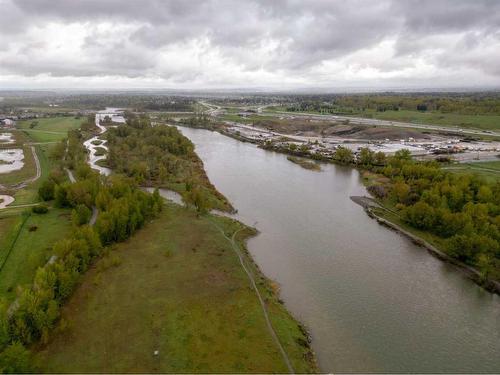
<point>99,151</point>
<point>484,122</point>
<point>31,248</point>
<point>50,129</point>
<point>489,170</point>
<point>176,288</point>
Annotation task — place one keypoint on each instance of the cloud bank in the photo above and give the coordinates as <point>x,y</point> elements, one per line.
<point>275,44</point>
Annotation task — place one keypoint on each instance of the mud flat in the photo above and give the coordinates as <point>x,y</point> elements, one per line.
<point>11,160</point>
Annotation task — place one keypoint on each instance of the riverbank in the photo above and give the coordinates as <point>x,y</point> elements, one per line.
<point>370,206</point>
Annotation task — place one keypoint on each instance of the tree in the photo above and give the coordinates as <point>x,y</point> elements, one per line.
<point>420,215</point>
<point>344,155</point>
<point>380,158</point>
<point>80,215</point>
<point>366,157</point>
<point>60,195</point>
<point>46,190</point>
<point>401,191</point>
<point>16,359</point>
<point>198,199</point>
<point>403,155</point>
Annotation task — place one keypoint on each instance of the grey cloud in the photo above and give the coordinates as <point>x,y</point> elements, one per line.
<point>305,33</point>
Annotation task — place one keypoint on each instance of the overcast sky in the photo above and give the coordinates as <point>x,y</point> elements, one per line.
<point>276,44</point>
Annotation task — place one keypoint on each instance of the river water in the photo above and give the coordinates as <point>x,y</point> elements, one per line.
<point>372,300</point>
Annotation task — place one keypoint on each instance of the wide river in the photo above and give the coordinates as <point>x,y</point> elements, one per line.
<point>372,300</point>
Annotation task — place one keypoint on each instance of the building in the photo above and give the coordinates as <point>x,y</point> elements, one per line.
<point>7,123</point>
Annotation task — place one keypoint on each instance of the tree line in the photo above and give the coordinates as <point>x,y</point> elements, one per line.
<point>462,210</point>
<point>161,156</point>
<point>459,103</point>
<point>123,209</point>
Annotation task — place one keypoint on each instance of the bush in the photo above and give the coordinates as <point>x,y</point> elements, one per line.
<point>46,190</point>
<point>81,215</point>
<point>16,359</point>
<point>40,209</point>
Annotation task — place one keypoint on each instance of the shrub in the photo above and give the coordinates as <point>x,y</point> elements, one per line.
<point>16,359</point>
<point>46,190</point>
<point>40,209</point>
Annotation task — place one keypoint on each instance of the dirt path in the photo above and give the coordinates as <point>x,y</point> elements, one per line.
<point>93,218</point>
<point>38,168</point>
<point>234,245</point>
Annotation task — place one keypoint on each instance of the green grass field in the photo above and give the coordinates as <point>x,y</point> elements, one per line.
<point>176,287</point>
<point>490,170</point>
<point>50,129</point>
<point>484,122</point>
<point>22,251</point>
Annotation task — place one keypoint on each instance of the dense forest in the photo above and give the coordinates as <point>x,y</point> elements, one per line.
<point>161,156</point>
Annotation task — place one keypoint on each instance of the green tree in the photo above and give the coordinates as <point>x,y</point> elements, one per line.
<point>16,359</point>
<point>80,215</point>
<point>46,190</point>
<point>366,157</point>
<point>344,155</point>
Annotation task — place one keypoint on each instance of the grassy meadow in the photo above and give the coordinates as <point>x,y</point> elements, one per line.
<point>483,122</point>
<point>51,129</point>
<point>26,244</point>
<point>22,251</point>
<point>176,287</point>
<point>489,170</point>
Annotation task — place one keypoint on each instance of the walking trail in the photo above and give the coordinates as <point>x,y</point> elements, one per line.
<point>234,245</point>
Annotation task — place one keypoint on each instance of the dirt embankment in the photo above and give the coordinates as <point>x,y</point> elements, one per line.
<point>343,129</point>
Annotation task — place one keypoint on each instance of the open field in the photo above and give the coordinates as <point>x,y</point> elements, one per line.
<point>484,122</point>
<point>50,129</point>
<point>489,170</point>
<point>23,250</point>
<point>176,287</point>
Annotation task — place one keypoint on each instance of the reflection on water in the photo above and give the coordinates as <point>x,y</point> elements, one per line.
<point>373,301</point>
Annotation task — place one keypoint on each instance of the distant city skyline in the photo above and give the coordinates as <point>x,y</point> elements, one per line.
<point>261,45</point>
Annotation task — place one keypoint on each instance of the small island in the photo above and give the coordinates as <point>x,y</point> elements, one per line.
<point>306,164</point>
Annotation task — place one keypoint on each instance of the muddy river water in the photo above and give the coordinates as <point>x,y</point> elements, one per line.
<point>372,300</point>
